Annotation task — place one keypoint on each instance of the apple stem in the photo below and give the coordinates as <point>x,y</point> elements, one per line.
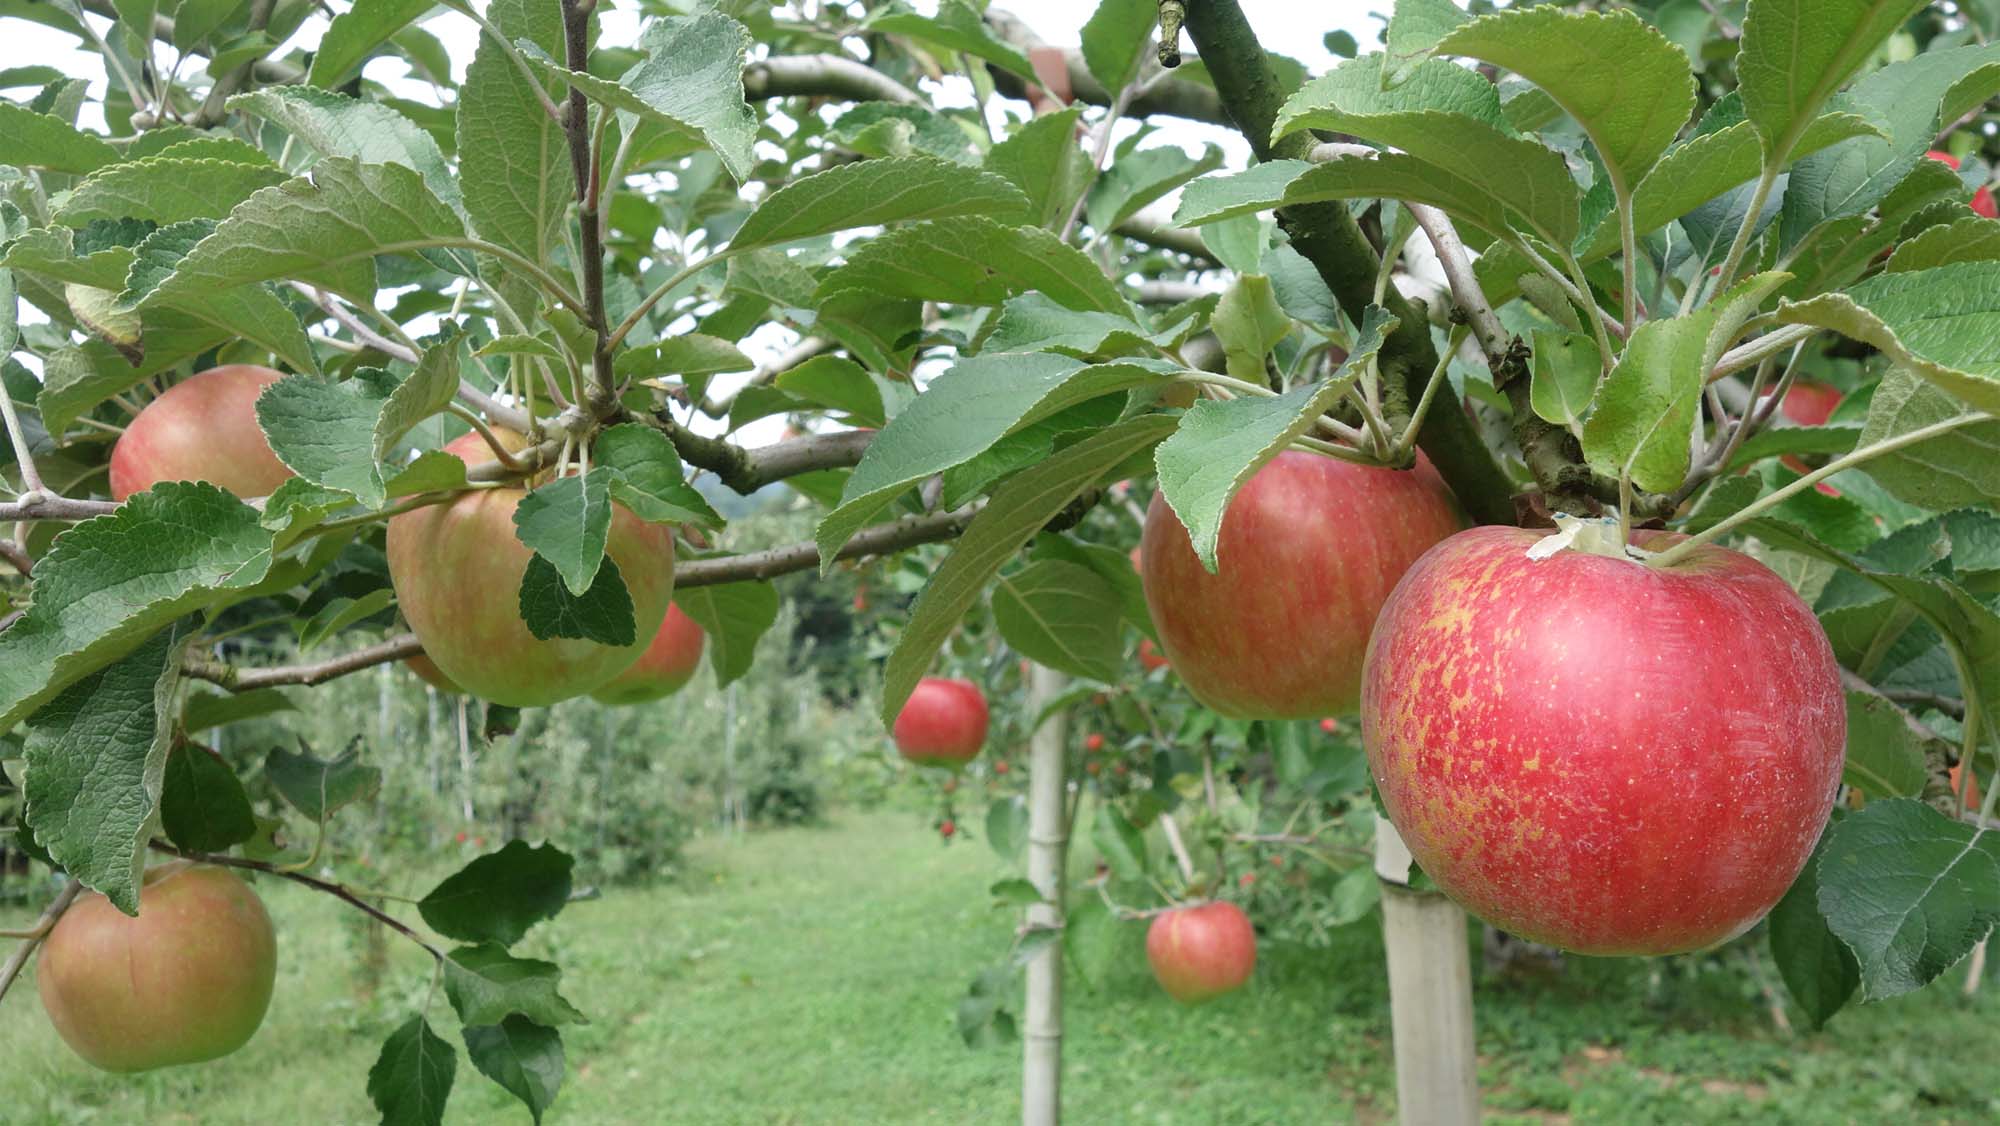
<point>1769,501</point>
<point>33,937</point>
<point>1179,847</point>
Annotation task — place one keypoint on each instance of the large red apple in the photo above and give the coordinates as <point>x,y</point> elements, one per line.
<point>1201,952</point>
<point>1809,403</point>
<point>1600,754</point>
<point>943,723</point>
<point>188,980</point>
<point>203,428</point>
<point>664,669</point>
<point>457,572</point>
<point>1309,549</point>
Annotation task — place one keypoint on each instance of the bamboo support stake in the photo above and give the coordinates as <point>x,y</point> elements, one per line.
<point>1048,842</point>
<point>1430,994</point>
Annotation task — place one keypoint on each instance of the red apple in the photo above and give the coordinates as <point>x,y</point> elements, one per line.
<point>1329,725</point>
<point>1149,656</point>
<point>1201,952</point>
<point>457,572</point>
<point>1600,754</point>
<point>1982,200</point>
<point>428,672</point>
<point>1809,403</point>
<point>1093,742</point>
<point>203,428</point>
<point>943,723</point>
<point>664,669</point>
<point>1309,549</point>
<point>188,980</point>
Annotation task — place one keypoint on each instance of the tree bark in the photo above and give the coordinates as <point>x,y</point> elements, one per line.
<point>1048,845</point>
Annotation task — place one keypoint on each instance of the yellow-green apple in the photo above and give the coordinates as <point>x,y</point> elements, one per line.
<point>1201,952</point>
<point>203,428</point>
<point>943,723</point>
<point>1308,550</point>
<point>1598,753</point>
<point>187,980</point>
<point>664,669</point>
<point>457,571</point>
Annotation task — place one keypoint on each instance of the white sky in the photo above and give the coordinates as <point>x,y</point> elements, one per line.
<point>1291,27</point>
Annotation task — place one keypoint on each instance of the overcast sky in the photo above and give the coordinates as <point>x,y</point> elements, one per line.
<point>1292,27</point>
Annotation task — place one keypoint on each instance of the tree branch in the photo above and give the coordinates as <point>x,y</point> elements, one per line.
<point>339,891</point>
<point>47,506</point>
<point>1327,235</point>
<point>237,679</point>
<point>41,930</point>
<point>1162,235</point>
<point>746,471</point>
<point>586,168</point>
<point>1173,97</point>
<point>882,539</point>
<point>792,357</point>
<point>16,557</point>
<point>823,76</point>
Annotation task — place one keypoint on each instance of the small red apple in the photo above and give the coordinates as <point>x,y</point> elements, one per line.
<point>457,572</point>
<point>1329,725</point>
<point>946,828</point>
<point>1600,754</point>
<point>1093,768</point>
<point>943,723</point>
<point>461,838</point>
<point>1246,879</point>
<point>1149,656</point>
<point>1982,200</point>
<point>1001,768</point>
<point>1309,550</point>
<point>188,980</point>
<point>203,428</point>
<point>1201,952</point>
<point>1093,742</point>
<point>664,668</point>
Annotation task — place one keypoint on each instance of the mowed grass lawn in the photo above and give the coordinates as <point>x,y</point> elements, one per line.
<point>809,976</point>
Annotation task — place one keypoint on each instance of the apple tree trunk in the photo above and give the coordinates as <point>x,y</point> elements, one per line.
<point>1048,832</point>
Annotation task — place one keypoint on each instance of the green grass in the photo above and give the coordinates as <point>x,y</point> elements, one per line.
<point>809,976</point>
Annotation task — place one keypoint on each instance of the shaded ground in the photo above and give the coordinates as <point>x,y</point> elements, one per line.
<point>809,976</point>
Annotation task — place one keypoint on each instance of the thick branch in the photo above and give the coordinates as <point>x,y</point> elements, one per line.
<point>585,166</point>
<point>43,925</point>
<point>46,506</point>
<point>746,471</point>
<point>823,76</point>
<point>1163,235</point>
<point>1174,97</point>
<point>16,556</point>
<point>1327,235</point>
<point>244,679</point>
<point>882,539</point>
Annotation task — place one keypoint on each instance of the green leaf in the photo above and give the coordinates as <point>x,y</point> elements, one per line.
<point>164,190</point>
<point>38,140</point>
<point>325,431</point>
<point>734,616</point>
<point>690,353</point>
<point>1960,467</point>
<point>1249,322</point>
<point>1819,970</point>
<point>1835,439</point>
<point>975,403</point>
<point>975,261</point>
<point>690,82</point>
<point>339,613</point>
<point>1257,188</point>
<point>1416,27</point>
<point>1018,510</point>
<point>838,384</point>
<point>486,985</point>
<point>1797,53</point>
<point>1033,323</point>
<point>899,129</point>
<point>368,132</point>
<point>1402,177</point>
<point>1007,826</point>
<point>1062,615</point>
<point>645,474</point>
<point>97,756</point>
<point>428,391</point>
<point>603,614</point>
<point>1044,161</point>
<point>412,1077</point>
<point>1119,843</point>
<point>873,192</point>
<point>1093,940</point>
<point>1449,116</point>
<point>1139,178</point>
<point>214,709</point>
<point>1115,38</point>
<point>202,804</point>
<point>325,227</point>
<point>1625,83</point>
<point>499,896</point>
<point>1909,890</point>
<point>1884,758</point>
<point>958,26</point>
<point>1972,238</point>
<point>512,344</point>
<point>1221,444</point>
<point>1938,323</point>
<point>109,583</point>
<point>566,522</point>
<point>1567,367</point>
<point>355,33</point>
<point>1016,892</point>
<point>513,158</point>
<point>523,1057</point>
<point>319,788</point>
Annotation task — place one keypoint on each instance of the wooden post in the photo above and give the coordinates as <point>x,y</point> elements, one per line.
<point>1430,994</point>
<point>1048,843</point>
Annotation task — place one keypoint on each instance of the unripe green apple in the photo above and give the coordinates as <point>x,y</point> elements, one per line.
<point>188,980</point>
